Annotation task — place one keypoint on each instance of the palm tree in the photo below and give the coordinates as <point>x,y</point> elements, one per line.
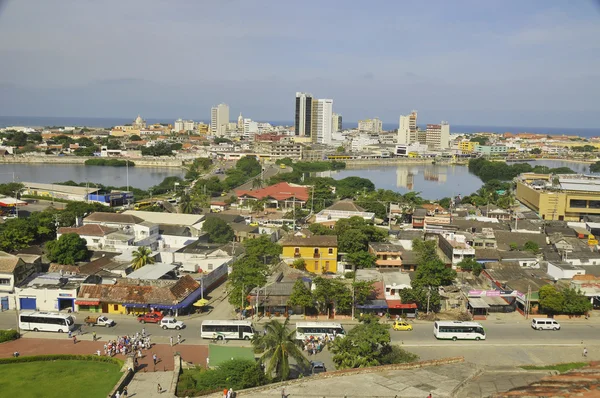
<point>187,205</point>
<point>141,257</point>
<point>257,183</point>
<point>277,345</point>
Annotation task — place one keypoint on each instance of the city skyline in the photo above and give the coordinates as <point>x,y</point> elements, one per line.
<point>530,65</point>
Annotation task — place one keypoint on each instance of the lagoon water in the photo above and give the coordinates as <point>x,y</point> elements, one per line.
<point>432,181</point>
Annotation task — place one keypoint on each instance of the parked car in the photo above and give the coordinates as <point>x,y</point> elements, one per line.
<point>317,367</point>
<point>99,321</point>
<point>402,325</point>
<point>150,317</point>
<point>171,323</point>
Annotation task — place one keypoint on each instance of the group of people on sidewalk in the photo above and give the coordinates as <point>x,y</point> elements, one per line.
<point>314,345</point>
<point>128,344</point>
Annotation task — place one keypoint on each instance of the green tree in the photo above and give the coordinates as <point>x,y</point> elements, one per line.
<point>235,373</point>
<point>368,344</point>
<point>257,183</point>
<point>320,229</point>
<point>135,137</point>
<point>536,151</point>
<point>301,296</point>
<point>575,302</point>
<point>332,293</point>
<point>431,271</point>
<point>299,264</point>
<point>361,259</point>
<point>467,264</point>
<point>11,189</point>
<point>421,296</point>
<point>363,290</point>
<point>552,300</point>
<point>263,249</point>
<point>187,205</point>
<point>595,167</point>
<point>247,273</point>
<point>277,345</point>
<point>340,149</point>
<point>141,257</point>
<point>249,166</point>
<point>477,269</point>
<point>531,246</point>
<point>16,234</point>
<point>218,230</point>
<point>68,249</point>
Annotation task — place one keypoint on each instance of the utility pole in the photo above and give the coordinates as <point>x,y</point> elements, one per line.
<point>353,302</point>
<point>17,312</point>
<point>428,295</point>
<point>528,301</point>
<point>127,170</point>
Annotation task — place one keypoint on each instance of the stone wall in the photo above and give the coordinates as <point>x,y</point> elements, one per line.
<point>80,160</point>
<point>128,374</point>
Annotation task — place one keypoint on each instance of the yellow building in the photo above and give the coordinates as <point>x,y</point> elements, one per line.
<point>318,252</point>
<point>467,146</point>
<point>567,198</point>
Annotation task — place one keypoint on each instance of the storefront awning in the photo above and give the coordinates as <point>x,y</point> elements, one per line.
<point>477,302</point>
<point>399,304</point>
<point>87,302</point>
<point>373,305</point>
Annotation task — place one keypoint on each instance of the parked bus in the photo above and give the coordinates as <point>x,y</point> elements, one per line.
<point>456,330</point>
<point>227,330</point>
<point>142,205</point>
<point>46,322</point>
<point>305,330</point>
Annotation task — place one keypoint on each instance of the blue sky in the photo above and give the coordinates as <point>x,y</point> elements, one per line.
<point>508,63</point>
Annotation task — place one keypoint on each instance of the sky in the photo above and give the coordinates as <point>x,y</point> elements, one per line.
<point>532,63</point>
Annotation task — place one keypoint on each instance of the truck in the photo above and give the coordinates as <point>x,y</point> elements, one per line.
<point>99,321</point>
<point>151,317</point>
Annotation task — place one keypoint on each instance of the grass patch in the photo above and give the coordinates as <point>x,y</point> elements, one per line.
<point>58,379</point>
<point>560,367</point>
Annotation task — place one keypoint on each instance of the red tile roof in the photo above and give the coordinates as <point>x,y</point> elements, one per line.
<point>87,230</point>
<point>279,191</point>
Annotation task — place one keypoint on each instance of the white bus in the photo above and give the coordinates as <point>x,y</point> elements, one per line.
<point>230,330</point>
<point>46,322</point>
<point>456,330</point>
<point>305,330</point>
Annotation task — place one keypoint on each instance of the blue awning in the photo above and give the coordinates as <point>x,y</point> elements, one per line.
<point>182,304</point>
<point>373,305</point>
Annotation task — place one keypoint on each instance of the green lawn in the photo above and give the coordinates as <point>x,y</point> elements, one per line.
<point>560,367</point>
<point>60,379</point>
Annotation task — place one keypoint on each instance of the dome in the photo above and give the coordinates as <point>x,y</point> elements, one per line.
<point>139,120</point>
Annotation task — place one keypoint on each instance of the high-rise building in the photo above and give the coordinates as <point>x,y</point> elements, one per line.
<point>336,123</point>
<point>437,136</point>
<point>183,125</point>
<point>304,115</point>
<point>219,119</point>
<point>407,129</point>
<point>323,115</point>
<point>371,125</point>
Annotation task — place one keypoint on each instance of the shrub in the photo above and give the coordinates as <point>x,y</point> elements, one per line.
<point>61,357</point>
<point>8,335</point>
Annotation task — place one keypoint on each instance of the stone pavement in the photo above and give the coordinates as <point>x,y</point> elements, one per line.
<point>146,384</point>
<point>493,381</point>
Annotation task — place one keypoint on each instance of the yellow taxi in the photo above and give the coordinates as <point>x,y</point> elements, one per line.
<point>402,325</point>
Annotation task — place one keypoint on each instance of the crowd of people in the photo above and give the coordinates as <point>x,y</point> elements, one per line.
<point>128,344</point>
<point>314,345</point>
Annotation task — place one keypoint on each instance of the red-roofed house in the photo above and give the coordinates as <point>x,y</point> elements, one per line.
<point>280,196</point>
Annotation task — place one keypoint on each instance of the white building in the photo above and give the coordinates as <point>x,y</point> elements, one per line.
<point>407,129</point>
<point>219,119</point>
<point>405,149</point>
<point>438,136</point>
<point>371,125</point>
<point>304,114</point>
<point>183,125</point>
<point>324,114</point>
<point>336,123</point>
<point>250,128</point>
<point>359,142</point>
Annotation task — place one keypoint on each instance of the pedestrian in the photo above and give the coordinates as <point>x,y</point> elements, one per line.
<point>117,395</point>
<point>135,363</point>
<point>585,352</point>
<point>230,393</point>
<point>159,388</point>
<point>74,339</point>
<point>94,336</point>
<point>171,341</point>
<point>124,393</point>
<point>283,393</point>
<point>224,393</point>
<point>178,339</point>
<point>430,396</point>
<point>143,332</point>
<point>154,359</point>
<point>70,334</point>
<point>207,362</point>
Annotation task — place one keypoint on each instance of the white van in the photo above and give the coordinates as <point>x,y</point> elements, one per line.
<point>545,324</point>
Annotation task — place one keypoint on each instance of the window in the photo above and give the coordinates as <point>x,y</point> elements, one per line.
<point>210,267</point>
<point>330,251</point>
<point>4,281</point>
<point>577,203</point>
<point>116,307</point>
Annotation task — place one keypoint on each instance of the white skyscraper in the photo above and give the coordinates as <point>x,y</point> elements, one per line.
<point>324,121</point>
<point>219,119</point>
<point>407,129</point>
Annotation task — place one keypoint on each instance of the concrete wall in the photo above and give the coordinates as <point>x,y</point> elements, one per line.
<point>49,159</point>
<point>47,299</point>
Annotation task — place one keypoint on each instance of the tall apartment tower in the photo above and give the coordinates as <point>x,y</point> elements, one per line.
<point>336,122</point>
<point>438,136</point>
<point>304,115</point>
<point>323,119</point>
<point>219,119</point>
<point>407,129</point>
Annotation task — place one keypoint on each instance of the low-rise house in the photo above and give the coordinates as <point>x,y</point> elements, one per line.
<point>191,221</point>
<point>94,234</point>
<point>388,255</point>
<point>418,218</point>
<point>482,240</point>
<point>564,270</point>
<point>13,270</point>
<point>506,240</point>
<point>493,211</point>
<point>124,298</point>
<point>130,230</point>
<point>282,196</point>
<point>318,252</point>
<point>49,292</point>
<point>393,283</point>
<point>455,247</point>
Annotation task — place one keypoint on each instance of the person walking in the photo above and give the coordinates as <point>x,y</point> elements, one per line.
<point>225,393</point>
<point>178,339</point>
<point>171,341</point>
<point>585,351</point>
<point>74,339</point>
<point>124,393</point>
<point>154,359</point>
<point>94,336</point>
<point>283,393</point>
<point>117,395</point>
<point>159,388</point>
<point>143,332</point>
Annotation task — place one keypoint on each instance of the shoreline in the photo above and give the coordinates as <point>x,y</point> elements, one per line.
<point>80,161</point>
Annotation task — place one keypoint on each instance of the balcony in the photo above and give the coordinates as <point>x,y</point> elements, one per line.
<point>316,255</point>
